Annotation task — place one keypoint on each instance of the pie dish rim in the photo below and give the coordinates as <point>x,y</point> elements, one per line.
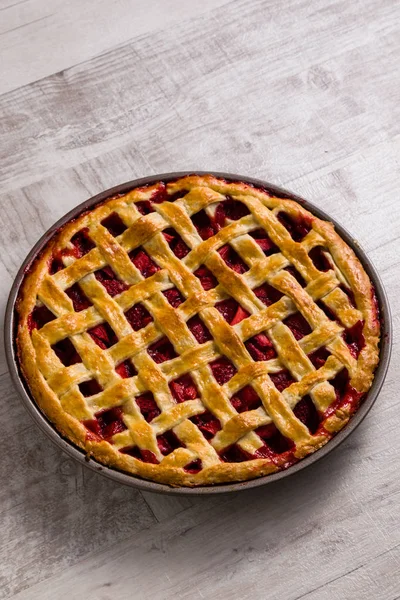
<point>132,480</point>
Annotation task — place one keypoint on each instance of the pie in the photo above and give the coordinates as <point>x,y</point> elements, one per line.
<point>198,331</point>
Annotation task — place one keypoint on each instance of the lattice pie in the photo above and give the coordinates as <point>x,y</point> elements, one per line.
<point>198,332</point>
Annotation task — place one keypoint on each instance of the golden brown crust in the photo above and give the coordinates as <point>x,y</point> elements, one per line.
<point>55,387</point>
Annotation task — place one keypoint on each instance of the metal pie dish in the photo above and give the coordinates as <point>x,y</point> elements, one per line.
<point>137,482</point>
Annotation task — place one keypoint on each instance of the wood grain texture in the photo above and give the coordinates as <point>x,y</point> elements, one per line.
<point>301,93</point>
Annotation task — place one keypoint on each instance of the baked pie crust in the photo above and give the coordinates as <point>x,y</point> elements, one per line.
<point>198,332</point>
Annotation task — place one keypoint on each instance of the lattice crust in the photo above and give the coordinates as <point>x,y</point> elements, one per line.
<point>271,325</point>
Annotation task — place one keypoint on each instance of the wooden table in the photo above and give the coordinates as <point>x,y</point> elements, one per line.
<point>303,93</point>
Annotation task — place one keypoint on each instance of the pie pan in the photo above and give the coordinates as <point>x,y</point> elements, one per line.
<point>134,481</point>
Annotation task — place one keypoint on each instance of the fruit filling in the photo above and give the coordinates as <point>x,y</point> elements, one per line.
<point>66,352</point>
<point>199,330</point>
<point>298,228</point>
<point>168,442</point>
<point>207,279</point>
<point>232,259</point>
<point>340,383</point>
<point>274,442</point>
<point>143,262</point>
<point>114,224</point>
<point>229,210</point>
<point>78,297</point>
<point>267,294</point>
<point>174,297</point>
<point>103,335</point>
<point>176,243</point>
<point>235,454</point>
<point>208,424</point>
<point>144,455</point>
<point>147,406</point>
<point>223,370</point>
<point>354,338</point>
<point>246,399</point>
<point>294,272</point>
<point>138,316</point>
<point>329,313</point>
<point>194,467</point>
<point>231,310</point>
<point>319,259</point>
<point>109,280</point>
<point>90,388</point>
<point>126,369</point>
<point>183,388</point>
<point>82,243</point>
<point>146,206</point>
<point>260,347</point>
<point>106,423</point>
<point>262,239</point>
<point>306,412</point>
<point>319,357</point>
<point>282,379</point>
<point>162,350</point>
<point>205,227</point>
<point>39,317</point>
<point>297,325</point>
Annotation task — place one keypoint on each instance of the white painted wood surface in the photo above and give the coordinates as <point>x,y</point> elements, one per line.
<point>304,93</point>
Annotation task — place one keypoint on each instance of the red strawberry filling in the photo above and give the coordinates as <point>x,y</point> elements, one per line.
<point>194,467</point>
<point>114,224</point>
<point>138,317</point>
<point>168,442</point>
<point>103,335</point>
<point>354,338</point>
<point>306,412</point>
<point>208,424</point>
<point>147,406</point>
<point>282,379</point>
<point>82,242</point>
<point>176,243</point>
<point>65,350</point>
<point>143,262</point>
<point>106,423</point>
<point>246,399</point>
<point>207,279</point>
<point>199,330</point>
<point>329,313</point>
<point>90,388</point>
<point>274,442</point>
<point>319,259</point>
<point>109,280</point>
<point>162,350</point>
<point>205,227</point>
<point>231,210</point>
<point>262,239</point>
<point>298,325</point>
<point>183,388</point>
<point>319,357</point>
<point>231,310</point>
<point>39,317</point>
<point>298,228</point>
<point>260,347</point>
<point>233,259</point>
<point>174,297</point>
<point>126,369</point>
<point>78,297</point>
<point>235,454</point>
<point>144,455</point>
<point>294,272</point>
<point>223,370</point>
<point>160,195</point>
<point>267,294</point>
